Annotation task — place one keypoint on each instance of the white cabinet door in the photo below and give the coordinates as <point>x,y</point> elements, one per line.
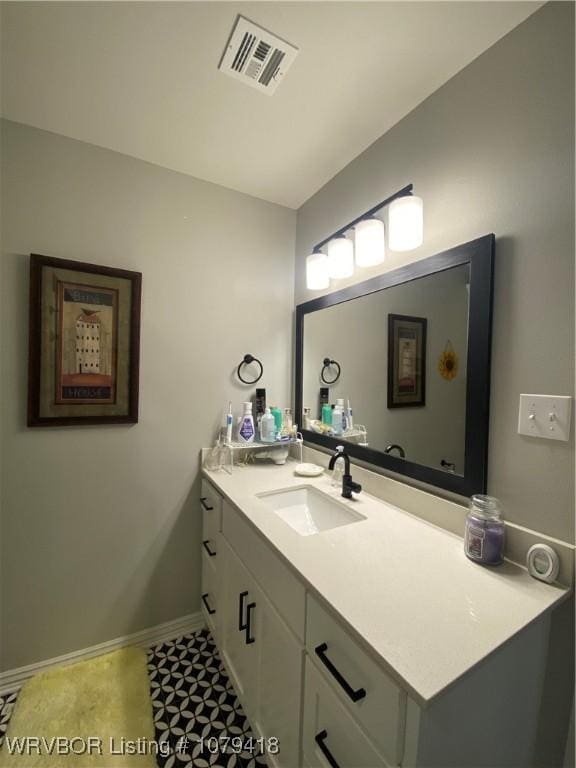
<point>280,663</point>
<point>241,611</point>
<point>264,660</point>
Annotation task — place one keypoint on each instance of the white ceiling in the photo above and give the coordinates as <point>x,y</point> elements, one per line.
<point>142,79</point>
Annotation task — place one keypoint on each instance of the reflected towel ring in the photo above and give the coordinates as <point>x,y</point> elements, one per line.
<point>247,359</point>
<point>327,364</point>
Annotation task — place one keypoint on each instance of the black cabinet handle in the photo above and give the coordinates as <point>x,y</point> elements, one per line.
<point>207,548</point>
<point>320,738</point>
<point>203,501</point>
<point>211,611</point>
<point>320,651</point>
<point>249,608</point>
<point>241,622</point>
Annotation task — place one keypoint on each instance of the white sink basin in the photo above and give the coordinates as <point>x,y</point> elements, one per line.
<point>308,511</point>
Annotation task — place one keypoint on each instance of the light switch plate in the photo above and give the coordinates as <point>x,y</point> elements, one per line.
<point>546,416</point>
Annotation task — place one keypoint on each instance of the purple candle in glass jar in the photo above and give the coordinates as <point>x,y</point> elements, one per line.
<point>484,537</point>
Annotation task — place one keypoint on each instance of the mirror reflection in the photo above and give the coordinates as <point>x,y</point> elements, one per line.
<point>388,370</point>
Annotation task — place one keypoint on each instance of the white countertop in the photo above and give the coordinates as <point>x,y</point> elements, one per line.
<point>405,587</point>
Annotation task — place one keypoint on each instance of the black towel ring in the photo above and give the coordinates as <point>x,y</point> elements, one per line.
<point>247,359</point>
<point>327,364</point>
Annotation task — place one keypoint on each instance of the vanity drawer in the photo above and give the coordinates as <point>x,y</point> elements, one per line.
<point>369,694</point>
<point>282,587</point>
<point>211,503</point>
<point>210,534</point>
<point>210,593</point>
<point>330,735</point>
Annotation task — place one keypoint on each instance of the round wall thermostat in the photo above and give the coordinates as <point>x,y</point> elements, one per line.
<point>543,563</point>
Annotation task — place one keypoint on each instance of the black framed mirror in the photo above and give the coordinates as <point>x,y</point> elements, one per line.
<point>413,345</point>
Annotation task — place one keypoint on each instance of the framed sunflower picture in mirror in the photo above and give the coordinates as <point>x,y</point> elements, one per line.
<point>84,343</point>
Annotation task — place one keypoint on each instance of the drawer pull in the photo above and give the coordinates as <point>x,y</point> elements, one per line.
<point>203,501</point>
<point>320,738</point>
<point>211,611</point>
<point>249,608</point>
<point>207,548</point>
<point>241,622</point>
<point>355,695</point>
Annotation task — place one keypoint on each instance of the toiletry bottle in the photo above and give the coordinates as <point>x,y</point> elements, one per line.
<point>229,423</point>
<point>267,427</point>
<point>287,422</point>
<point>246,431</point>
<point>324,398</point>
<point>277,413</point>
<point>259,404</point>
<point>338,417</point>
<point>327,414</point>
<point>484,536</point>
<point>344,414</point>
<point>349,418</point>
<point>307,418</point>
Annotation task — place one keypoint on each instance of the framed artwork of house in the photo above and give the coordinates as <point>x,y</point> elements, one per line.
<point>84,343</point>
<point>406,361</point>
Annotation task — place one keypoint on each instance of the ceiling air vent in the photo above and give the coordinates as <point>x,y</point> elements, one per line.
<point>256,57</point>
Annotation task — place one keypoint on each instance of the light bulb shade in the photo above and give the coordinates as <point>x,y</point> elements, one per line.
<point>405,223</point>
<point>369,242</point>
<point>340,257</point>
<point>317,276</point>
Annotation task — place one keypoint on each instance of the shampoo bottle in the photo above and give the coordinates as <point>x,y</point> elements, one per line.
<point>267,427</point>
<point>338,418</point>
<point>277,413</point>
<point>246,431</point>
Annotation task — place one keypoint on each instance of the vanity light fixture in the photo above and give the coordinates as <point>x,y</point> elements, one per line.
<point>369,245</point>
<point>405,223</point>
<point>317,276</point>
<point>340,257</point>
<point>405,232</point>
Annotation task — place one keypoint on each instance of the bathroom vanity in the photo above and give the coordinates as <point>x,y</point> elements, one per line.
<point>357,634</point>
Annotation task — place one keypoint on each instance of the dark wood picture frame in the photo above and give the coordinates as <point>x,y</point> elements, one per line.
<point>479,255</point>
<point>397,324</point>
<point>58,397</point>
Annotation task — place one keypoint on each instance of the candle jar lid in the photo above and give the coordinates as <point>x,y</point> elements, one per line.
<point>487,507</point>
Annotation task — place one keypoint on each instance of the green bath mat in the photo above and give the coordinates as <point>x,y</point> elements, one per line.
<point>100,707</point>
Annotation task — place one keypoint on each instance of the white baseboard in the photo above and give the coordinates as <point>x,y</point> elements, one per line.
<point>13,679</point>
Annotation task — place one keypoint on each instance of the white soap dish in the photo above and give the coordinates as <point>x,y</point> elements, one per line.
<point>308,470</point>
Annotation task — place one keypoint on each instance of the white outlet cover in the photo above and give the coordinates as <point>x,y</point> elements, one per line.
<point>545,416</point>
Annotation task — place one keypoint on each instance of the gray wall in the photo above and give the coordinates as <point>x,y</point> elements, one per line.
<point>91,555</point>
<point>428,433</point>
<point>493,151</point>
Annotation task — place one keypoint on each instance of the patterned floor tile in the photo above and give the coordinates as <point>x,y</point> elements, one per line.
<point>195,709</point>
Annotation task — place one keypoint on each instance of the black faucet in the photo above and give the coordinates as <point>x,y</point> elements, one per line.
<point>395,447</point>
<point>348,485</point>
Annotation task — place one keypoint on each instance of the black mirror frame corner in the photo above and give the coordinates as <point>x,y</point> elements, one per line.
<point>479,254</point>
